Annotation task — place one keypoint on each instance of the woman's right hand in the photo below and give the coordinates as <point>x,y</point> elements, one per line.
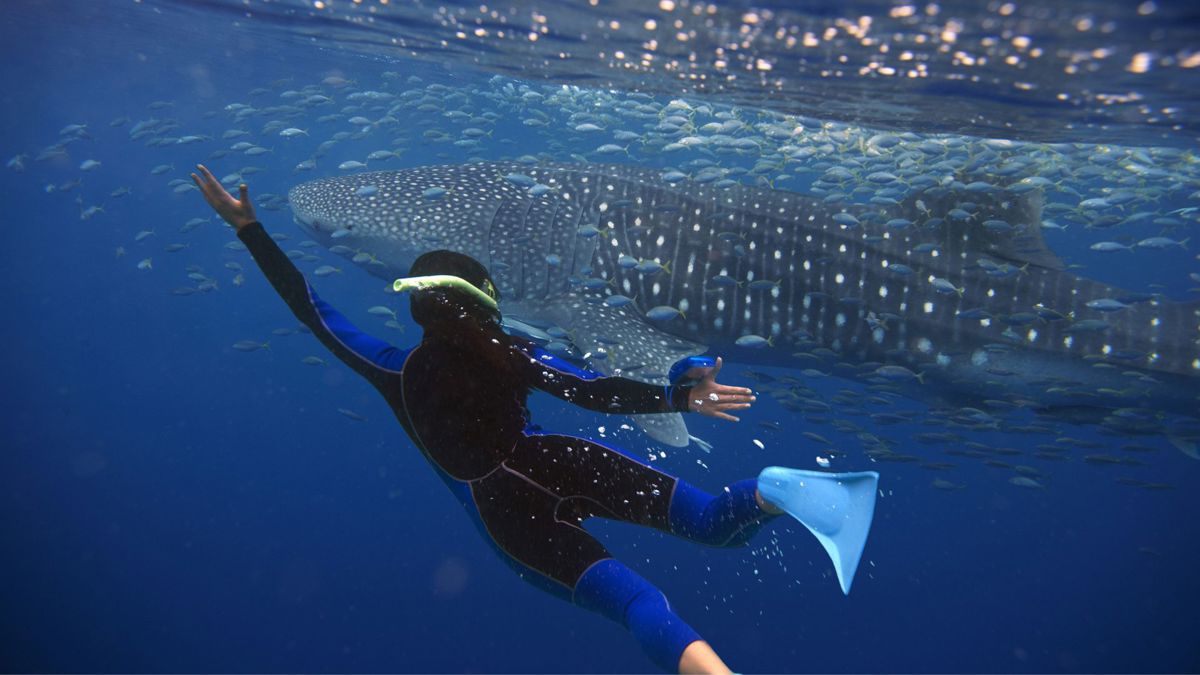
<point>713,399</point>
<point>237,212</point>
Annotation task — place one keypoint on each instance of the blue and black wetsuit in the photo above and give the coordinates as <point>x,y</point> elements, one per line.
<point>461,396</point>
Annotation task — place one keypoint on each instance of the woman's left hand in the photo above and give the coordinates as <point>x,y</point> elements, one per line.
<point>712,399</point>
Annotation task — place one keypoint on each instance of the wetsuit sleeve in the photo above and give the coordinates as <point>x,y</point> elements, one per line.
<point>593,391</point>
<point>369,356</point>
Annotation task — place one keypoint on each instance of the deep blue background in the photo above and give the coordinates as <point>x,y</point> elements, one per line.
<point>170,504</point>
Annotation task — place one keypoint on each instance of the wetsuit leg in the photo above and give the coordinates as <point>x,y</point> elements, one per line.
<point>730,518</point>
<point>596,480</point>
<point>533,507</point>
<point>562,558</point>
<point>520,517</point>
<point>617,592</point>
<point>588,479</point>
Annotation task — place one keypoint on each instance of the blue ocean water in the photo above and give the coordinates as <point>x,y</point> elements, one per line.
<point>173,504</point>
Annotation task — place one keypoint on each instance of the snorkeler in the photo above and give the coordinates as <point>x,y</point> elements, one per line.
<point>461,396</point>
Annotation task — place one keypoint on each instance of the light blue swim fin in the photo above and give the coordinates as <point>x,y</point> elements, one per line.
<point>836,507</point>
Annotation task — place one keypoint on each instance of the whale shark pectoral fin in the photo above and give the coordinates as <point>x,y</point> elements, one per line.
<point>640,352</point>
<point>617,341</point>
<point>1185,444</point>
<point>519,326</point>
<point>666,428</point>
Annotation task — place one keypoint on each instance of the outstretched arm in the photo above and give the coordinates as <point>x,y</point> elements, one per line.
<point>369,356</point>
<point>622,395</point>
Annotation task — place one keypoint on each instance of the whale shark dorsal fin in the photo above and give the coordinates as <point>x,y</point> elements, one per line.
<point>1023,245</point>
<point>618,341</point>
<point>982,236</point>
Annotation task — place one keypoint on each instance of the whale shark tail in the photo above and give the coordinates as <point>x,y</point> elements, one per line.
<point>836,507</point>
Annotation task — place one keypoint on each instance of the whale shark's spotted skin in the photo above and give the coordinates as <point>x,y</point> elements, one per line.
<point>976,304</point>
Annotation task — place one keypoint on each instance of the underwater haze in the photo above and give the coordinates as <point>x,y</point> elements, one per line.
<point>991,296</point>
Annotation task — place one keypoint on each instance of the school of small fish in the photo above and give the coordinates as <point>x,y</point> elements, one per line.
<point>1132,205</point>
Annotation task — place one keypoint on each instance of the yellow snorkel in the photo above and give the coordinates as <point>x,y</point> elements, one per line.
<point>446,281</point>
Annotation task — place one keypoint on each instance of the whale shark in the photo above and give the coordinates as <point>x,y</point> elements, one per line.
<point>945,292</point>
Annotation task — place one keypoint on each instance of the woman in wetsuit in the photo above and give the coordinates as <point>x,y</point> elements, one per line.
<point>461,396</point>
